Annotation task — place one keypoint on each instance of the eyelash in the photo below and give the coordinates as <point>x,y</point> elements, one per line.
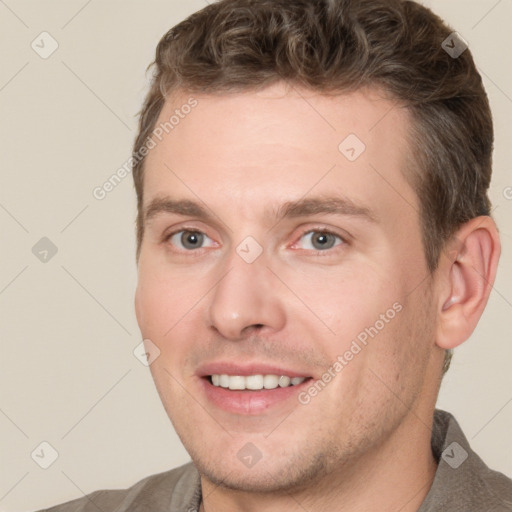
<point>325,252</point>
<point>313,252</point>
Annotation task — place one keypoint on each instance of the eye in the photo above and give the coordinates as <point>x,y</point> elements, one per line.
<point>320,240</point>
<point>190,240</point>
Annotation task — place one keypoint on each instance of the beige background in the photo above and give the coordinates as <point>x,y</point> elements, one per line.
<point>68,329</point>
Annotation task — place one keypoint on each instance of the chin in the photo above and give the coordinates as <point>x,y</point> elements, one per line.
<point>271,476</point>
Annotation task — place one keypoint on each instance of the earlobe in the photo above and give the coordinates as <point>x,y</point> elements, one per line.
<point>467,273</point>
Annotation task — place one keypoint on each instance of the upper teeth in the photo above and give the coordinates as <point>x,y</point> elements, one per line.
<point>254,382</point>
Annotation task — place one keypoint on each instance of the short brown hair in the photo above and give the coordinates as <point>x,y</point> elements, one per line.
<point>335,46</point>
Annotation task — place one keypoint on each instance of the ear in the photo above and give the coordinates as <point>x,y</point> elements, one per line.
<point>466,273</point>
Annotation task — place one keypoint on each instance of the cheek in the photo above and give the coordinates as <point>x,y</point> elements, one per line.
<point>398,356</point>
<point>149,305</point>
<point>349,302</point>
<point>162,299</point>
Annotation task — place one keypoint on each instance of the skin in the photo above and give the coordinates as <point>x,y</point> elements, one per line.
<point>363,442</point>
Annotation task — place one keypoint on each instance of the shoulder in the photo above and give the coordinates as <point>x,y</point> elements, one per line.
<point>463,481</point>
<point>177,489</point>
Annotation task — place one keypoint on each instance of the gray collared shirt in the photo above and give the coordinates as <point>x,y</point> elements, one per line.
<point>462,483</point>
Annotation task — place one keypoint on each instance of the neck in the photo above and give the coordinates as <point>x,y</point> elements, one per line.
<point>397,475</point>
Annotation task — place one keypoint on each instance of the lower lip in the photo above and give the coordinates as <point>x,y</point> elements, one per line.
<point>250,402</point>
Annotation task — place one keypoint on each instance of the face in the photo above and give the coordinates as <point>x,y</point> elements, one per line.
<point>283,279</point>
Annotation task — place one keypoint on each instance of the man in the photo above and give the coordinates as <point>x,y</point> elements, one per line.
<point>314,239</point>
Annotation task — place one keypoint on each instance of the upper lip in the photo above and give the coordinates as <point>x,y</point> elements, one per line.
<point>253,368</point>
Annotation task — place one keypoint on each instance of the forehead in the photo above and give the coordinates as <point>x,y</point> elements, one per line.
<point>253,149</point>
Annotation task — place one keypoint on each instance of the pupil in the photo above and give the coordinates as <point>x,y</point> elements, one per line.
<point>191,239</point>
<point>323,240</point>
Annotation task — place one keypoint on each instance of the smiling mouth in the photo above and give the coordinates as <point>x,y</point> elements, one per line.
<point>254,382</point>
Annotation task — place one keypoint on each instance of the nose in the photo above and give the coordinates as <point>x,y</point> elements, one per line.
<point>245,299</point>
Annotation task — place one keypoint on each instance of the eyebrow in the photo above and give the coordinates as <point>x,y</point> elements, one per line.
<point>323,205</point>
<point>184,207</point>
<point>291,209</point>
